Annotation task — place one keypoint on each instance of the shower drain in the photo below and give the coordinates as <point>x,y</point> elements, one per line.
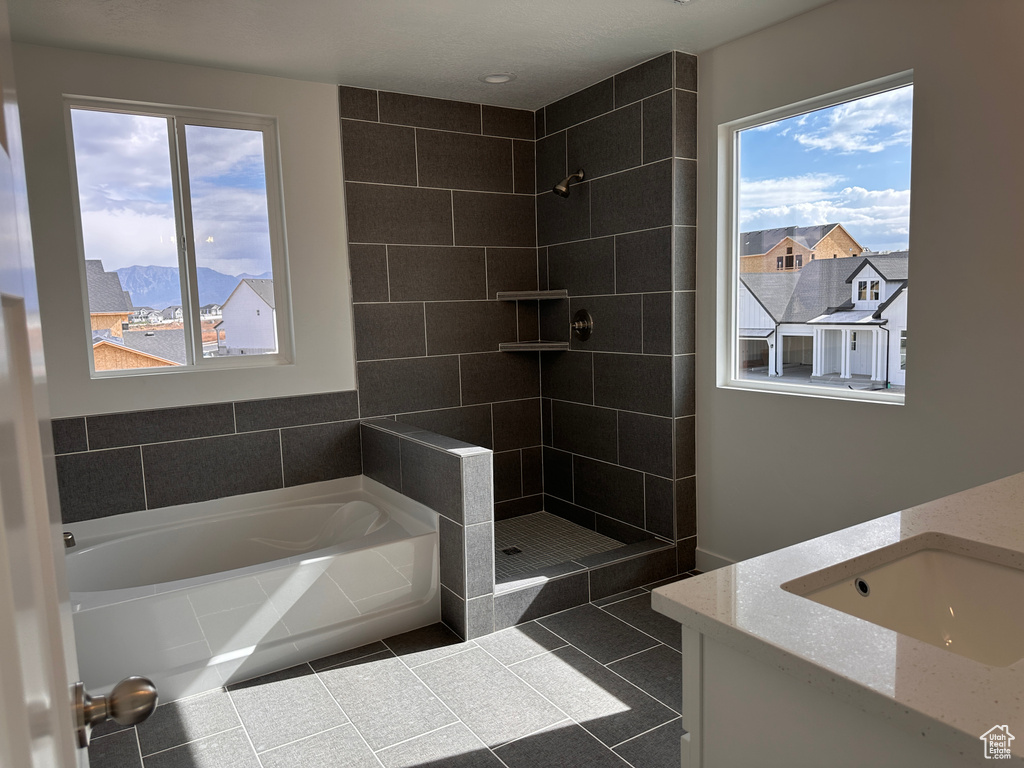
<point>512,551</point>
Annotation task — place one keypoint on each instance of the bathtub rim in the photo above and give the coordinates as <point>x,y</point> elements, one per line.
<point>398,506</point>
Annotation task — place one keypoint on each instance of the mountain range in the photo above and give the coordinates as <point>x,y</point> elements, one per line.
<point>159,287</point>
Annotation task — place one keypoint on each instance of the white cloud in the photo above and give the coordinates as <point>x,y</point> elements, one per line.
<point>787,190</point>
<point>123,238</point>
<point>878,219</point>
<point>870,124</point>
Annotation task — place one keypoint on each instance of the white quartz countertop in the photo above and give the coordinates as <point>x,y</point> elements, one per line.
<point>947,698</point>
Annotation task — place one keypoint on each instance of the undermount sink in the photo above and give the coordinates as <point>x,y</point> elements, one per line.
<point>942,590</point>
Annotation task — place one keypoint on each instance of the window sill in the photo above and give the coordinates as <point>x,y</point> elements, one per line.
<point>883,396</point>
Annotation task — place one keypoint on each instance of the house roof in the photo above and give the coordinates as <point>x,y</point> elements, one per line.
<point>263,288</point>
<point>105,291</point>
<point>821,287</point>
<point>891,266</point>
<point>169,344</point>
<point>763,240</point>
<point>157,344</point>
<point>168,313</point>
<point>773,291</point>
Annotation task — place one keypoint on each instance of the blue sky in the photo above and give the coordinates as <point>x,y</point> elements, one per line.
<point>848,164</point>
<point>125,190</point>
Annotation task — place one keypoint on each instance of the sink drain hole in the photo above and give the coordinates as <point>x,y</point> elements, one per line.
<point>862,587</point>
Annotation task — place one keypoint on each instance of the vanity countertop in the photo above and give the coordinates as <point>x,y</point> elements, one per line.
<point>947,697</point>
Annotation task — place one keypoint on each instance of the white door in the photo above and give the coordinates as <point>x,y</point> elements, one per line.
<point>37,657</point>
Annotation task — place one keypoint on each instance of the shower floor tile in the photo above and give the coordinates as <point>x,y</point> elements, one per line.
<point>530,542</point>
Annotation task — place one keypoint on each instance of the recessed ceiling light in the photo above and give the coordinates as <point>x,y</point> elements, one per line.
<point>498,77</point>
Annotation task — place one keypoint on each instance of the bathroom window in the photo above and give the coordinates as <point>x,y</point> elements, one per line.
<point>831,175</point>
<point>903,350</point>
<point>179,211</point>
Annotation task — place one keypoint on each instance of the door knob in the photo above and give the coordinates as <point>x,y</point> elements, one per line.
<point>129,703</point>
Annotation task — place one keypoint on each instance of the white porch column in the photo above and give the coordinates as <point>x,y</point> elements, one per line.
<point>773,352</point>
<point>816,353</point>
<point>844,367</point>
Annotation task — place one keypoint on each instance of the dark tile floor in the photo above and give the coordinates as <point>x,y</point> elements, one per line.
<point>597,685</point>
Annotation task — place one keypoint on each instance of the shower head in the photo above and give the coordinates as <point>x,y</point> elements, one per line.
<point>562,187</point>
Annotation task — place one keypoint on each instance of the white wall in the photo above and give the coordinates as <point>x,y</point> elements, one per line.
<point>963,421</point>
<point>316,236</point>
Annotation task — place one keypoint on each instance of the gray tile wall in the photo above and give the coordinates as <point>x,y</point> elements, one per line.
<point>124,462</point>
<point>618,409</point>
<point>454,479</point>
<point>441,215</point>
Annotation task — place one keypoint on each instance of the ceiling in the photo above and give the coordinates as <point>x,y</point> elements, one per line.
<point>427,47</point>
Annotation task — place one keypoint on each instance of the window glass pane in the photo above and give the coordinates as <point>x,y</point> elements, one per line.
<point>126,200</point>
<point>834,181</point>
<point>228,187</point>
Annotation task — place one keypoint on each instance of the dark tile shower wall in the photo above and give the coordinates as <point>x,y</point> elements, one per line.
<point>618,408</point>
<point>441,216</point>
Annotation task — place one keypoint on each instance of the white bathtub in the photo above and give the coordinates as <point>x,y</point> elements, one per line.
<point>206,594</point>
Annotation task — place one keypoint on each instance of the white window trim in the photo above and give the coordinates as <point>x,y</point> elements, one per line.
<point>316,233</point>
<point>727,320</point>
<point>180,118</point>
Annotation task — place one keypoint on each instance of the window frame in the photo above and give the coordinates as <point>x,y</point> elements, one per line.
<point>729,250</point>
<point>178,119</point>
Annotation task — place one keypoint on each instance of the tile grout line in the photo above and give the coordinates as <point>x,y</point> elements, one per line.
<point>638,629</point>
<point>138,746</point>
<point>350,720</point>
<point>628,682</point>
<point>445,704</point>
<point>193,741</point>
<point>242,726</point>
<point>631,738</point>
<point>305,738</point>
<point>541,695</point>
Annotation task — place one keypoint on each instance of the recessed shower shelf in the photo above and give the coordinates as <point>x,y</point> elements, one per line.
<point>533,346</point>
<point>560,293</point>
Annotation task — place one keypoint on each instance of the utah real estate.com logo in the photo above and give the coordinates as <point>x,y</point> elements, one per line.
<point>997,742</point>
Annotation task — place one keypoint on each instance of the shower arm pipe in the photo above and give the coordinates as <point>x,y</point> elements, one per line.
<point>562,187</point>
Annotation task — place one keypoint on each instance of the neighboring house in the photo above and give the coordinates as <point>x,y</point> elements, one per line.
<point>250,319</point>
<point>109,304</point>
<point>171,315</point>
<point>146,315</point>
<point>788,249</point>
<point>114,347</point>
<point>210,311</point>
<point>843,318</point>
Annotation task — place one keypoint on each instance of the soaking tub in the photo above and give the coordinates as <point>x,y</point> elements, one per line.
<point>202,595</point>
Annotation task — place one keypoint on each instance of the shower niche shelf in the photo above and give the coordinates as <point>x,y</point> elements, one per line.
<point>560,293</point>
<point>533,346</point>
